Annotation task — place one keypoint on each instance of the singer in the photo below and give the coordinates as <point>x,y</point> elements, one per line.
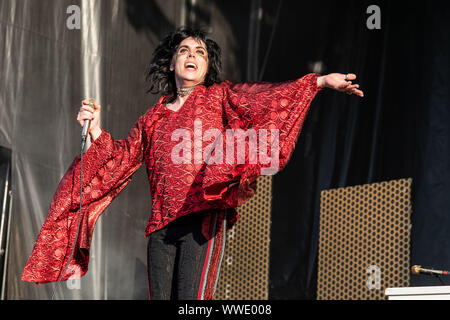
<point>193,203</point>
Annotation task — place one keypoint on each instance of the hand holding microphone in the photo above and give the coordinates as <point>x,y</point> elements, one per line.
<point>89,118</point>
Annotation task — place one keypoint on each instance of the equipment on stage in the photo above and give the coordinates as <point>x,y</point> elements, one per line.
<point>419,293</point>
<point>364,240</point>
<point>416,269</point>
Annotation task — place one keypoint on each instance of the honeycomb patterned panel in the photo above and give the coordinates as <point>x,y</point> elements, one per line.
<point>244,271</point>
<point>364,240</point>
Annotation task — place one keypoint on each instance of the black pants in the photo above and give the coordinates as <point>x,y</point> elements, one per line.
<point>184,258</point>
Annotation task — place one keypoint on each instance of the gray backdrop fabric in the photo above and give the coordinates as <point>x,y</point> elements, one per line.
<point>46,71</point>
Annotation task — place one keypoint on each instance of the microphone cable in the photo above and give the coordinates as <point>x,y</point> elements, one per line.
<point>83,142</point>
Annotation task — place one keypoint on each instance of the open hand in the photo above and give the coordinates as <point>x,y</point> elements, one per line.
<point>340,82</point>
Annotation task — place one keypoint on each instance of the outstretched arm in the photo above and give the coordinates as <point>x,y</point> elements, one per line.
<point>340,82</point>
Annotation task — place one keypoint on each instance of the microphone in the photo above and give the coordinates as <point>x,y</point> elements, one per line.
<point>416,269</point>
<point>86,125</point>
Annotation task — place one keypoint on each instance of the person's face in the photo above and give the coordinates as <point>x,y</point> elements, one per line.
<point>190,63</point>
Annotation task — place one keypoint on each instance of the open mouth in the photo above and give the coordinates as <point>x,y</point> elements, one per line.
<point>190,66</point>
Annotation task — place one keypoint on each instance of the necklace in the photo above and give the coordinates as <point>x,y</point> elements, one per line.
<point>182,92</point>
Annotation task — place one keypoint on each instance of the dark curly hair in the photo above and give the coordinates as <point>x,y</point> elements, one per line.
<point>161,79</point>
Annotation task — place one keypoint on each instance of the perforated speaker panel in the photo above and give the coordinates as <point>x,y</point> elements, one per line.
<point>244,271</point>
<point>364,240</point>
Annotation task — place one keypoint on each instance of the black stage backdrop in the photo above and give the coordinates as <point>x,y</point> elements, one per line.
<point>400,129</point>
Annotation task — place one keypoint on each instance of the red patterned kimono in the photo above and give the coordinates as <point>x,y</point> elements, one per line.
<point>176,188</point>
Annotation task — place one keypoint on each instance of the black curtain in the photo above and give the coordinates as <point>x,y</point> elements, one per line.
<point>400,129</point>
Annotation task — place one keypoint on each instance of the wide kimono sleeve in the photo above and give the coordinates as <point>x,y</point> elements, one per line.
<point>275,112</point>
<point>108,166</point>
